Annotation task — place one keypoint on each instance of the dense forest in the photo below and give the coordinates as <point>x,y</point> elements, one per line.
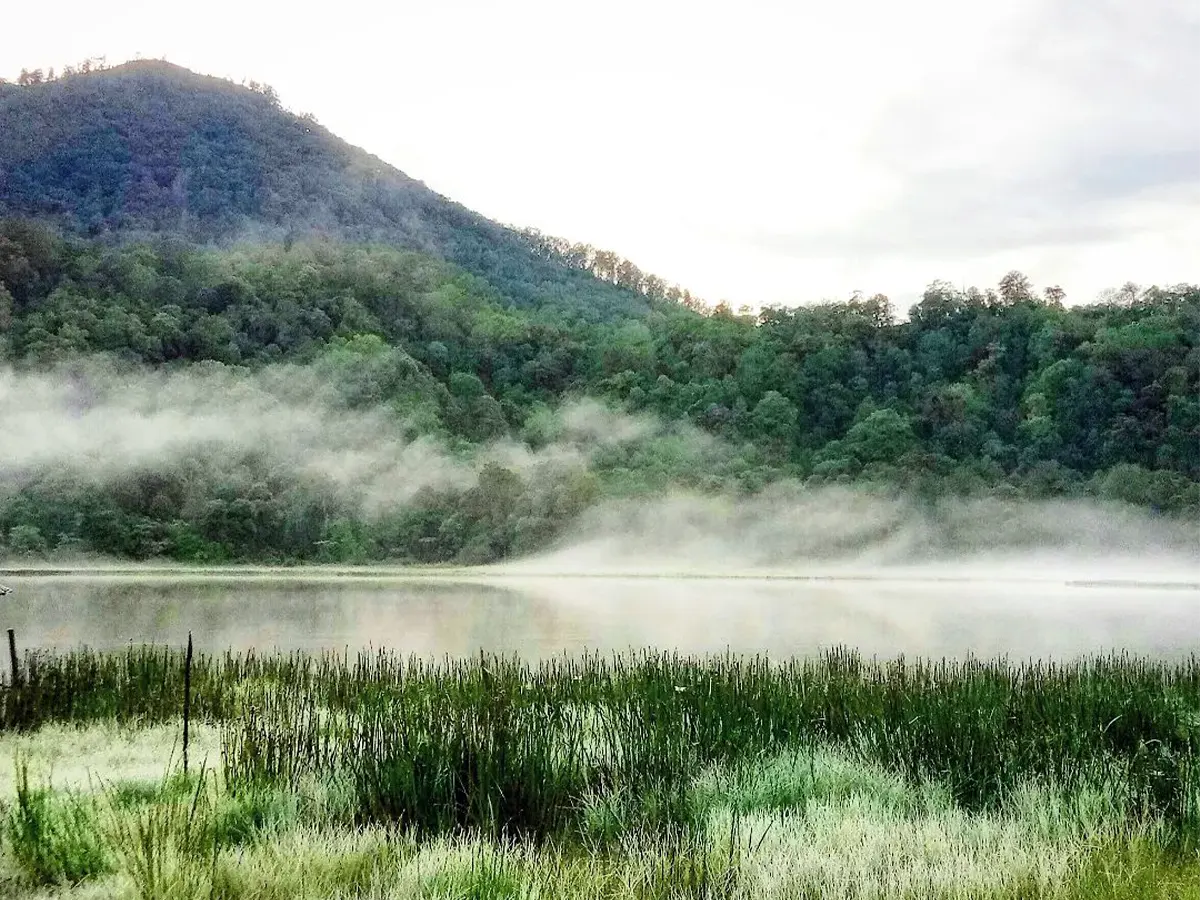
<point>149,147</point>
<point>154,221</point>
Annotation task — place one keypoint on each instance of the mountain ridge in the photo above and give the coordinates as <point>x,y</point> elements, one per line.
<point>150,147</point>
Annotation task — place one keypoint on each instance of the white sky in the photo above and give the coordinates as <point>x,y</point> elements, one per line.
<point>758,152</point>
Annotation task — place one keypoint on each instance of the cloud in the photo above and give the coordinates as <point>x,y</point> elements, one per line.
<point>1077,123</point>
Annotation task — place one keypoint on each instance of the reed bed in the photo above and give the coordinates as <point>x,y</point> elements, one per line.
<point>500,743</point>
<point>580,761</point>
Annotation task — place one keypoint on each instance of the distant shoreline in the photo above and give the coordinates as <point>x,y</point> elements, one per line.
<point>304,573</point>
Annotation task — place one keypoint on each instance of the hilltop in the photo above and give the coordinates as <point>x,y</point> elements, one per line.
<point>229,335</point>
<point>149,148</point>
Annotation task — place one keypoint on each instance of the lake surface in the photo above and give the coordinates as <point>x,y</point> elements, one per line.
<point>881,612</point>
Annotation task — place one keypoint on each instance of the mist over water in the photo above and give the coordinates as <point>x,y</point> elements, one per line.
<point>95,423</point>
<point>541,617</point>
<point>791,570</point>
<point>789,530</point>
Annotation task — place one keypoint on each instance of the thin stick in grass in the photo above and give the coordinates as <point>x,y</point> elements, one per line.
<point>187,702</point>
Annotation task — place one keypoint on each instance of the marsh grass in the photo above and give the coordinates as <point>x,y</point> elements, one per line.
<point>53,837</point>
<point>158,844</point>
<point>643,775</point>
<point>499,745</point>
<point>1135,868</point>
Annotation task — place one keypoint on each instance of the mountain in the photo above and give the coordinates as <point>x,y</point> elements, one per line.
<point>255,342</point>
<point>150,147</point>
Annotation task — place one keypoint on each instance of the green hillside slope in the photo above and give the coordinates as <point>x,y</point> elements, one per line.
<point>152,147</point>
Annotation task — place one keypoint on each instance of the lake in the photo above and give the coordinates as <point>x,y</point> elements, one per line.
<point>885,612</point>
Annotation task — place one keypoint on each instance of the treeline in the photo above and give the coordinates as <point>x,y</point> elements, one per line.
<point>97,64</point>
<point>610,267</point>
<point>1005,390</point>
<point>34,77</point>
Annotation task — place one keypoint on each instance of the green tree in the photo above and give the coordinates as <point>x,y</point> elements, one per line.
<point>774,420</point>
<point>27,540</point>
<point>6,310</point>
<point>884,437</point>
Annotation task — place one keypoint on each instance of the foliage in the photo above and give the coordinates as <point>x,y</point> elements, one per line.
<point>502,745</point>
<point>650,774</point>
<point>151,147</point>
<point>163,220</point>
<point>970,394</point>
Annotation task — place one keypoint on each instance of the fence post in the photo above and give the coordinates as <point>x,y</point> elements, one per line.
<point>187,701</point>
<point>15,678</point>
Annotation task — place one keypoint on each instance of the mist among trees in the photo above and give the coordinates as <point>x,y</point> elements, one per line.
<point>172,244</point>
<point>1003,391</point>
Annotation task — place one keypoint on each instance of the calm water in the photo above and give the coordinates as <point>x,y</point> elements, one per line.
<point>537,616</point>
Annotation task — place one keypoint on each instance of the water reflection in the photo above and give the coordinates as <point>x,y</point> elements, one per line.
<point>547,616</point>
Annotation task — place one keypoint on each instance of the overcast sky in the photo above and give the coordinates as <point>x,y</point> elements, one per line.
<point>756,152</point>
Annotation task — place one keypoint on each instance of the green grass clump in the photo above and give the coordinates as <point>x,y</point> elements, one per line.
<point>309,862</point>
<point>54,837</point>
<point>489,875</point>
<point>157,844</point>
<point>131,793</point>
<point>254,814</point>
<point>793,780</point>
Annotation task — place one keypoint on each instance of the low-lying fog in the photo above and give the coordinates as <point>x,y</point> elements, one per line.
<point>434,614</point>
<point>789,531</point>
<point>791,570</point>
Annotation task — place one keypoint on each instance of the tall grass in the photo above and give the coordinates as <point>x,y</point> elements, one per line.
<point>633,776</point>
<point>504,747</point>
<point>54,837</point>
<point>156,843</point>
<point>141,684</point>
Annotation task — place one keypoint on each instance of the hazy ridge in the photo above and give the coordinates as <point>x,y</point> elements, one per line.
<point>227,336</point>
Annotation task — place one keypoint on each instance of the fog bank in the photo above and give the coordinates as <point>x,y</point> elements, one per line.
<point>791,530</point>
<point>93,423</point>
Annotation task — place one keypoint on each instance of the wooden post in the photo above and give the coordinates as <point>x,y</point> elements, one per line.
<point>15,676</point>
<point>187,701</point>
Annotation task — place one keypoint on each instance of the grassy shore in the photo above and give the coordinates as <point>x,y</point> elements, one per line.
<point>647,776</point>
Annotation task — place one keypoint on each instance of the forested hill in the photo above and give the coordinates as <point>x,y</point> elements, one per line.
<point>150,147</point>
<point>225,334</point>
<point>342,402</point>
